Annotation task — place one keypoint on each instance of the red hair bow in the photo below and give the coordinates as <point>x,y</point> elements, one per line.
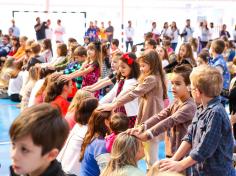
<point>129,59</point>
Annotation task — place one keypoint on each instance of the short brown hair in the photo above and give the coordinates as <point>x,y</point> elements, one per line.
<point>63,49</point>
<point>208,80</point>
<point>44,124</point>
<point>119,122</point>
<point>80,51</point>
<point>35,47</point>
<point>218,46</point>
<point>184,71</point>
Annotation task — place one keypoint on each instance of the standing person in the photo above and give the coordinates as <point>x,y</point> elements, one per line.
<point>110,31</point>
<point>212,31</point>
<point>151,91</point>
<point>224,32</point>
<point>59,32</point>
<point>187,31</point>
<point>174,35</point>
<point>204,34</point>
<point>166,32</point>
<point>40,29</point>
<point>102,33</point>
<point>49,30</point>
<point>155,33</point>
<point>209,141</point>
<point>91,32</point>
<point>129,33</point>
<point>16,30</point>
<point>234,34</point>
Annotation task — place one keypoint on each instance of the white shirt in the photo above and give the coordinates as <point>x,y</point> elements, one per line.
<point>48,33</point>
<point>59,32</point>
<point>129,33</point>
<point>34,91</point>
<point>15,85</point>
<point>131,107</point>
<point>70,153</point>
<point>174,35</point>
<point>155,31</point>
<point>189,31</point>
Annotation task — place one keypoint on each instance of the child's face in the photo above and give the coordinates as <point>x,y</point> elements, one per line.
<point>161,52</point>
<point>140,154</point>
<point>179,88</point>
<point>80,58</point>
<point>144,67</point>
<point>182,51</point>
<point>195,94</point>
<point>27,157</point>
<point>124,69</point>
<point>114,64</point>
<point>91,53</point>
<point>148,46</point>
<point>200,61</point>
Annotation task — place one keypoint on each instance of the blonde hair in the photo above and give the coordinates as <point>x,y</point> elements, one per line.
<point>208,80</point>
<point>124,151</point>
<point>79,96</point>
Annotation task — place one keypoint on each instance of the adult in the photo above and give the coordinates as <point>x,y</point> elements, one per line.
<point>16,30</point>
<point>204,34</point>
<point>187,31</point>
<point>174,35</point>
<point>40,29</point>
<point>48,30</point>
<point>102,32</point>
<point>155,33</point>
<point>224,32</point>
<point>129,33</point>
<point>109,31</point>
<point>91,32</point>
<point>59,32</point>
<point>234,34</point>
<point>212,31</point>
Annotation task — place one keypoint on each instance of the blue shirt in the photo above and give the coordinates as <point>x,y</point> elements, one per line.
<point>220,62</point>
<point>211,138</point>
<point>89,165</point>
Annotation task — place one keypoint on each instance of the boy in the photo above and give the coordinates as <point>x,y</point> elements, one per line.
<point>209,140</point>
<point>174,119</point>
<point>216,50</point>
<point>37,136</point>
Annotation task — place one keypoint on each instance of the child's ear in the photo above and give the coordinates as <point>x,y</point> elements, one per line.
<point>52,154</point>
<point>188,88</point>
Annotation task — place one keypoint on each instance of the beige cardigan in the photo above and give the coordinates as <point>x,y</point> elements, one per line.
<point>150,94</point>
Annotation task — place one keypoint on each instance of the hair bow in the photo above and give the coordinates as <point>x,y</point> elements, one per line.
<point>129,59</point>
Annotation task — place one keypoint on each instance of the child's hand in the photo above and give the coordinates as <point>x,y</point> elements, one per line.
<point>65,78</point>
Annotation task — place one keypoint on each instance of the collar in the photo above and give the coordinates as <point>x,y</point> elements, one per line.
<point>211,103</point>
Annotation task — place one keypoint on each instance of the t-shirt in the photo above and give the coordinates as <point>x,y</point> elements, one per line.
<point>89,165</point>
<point>40,34</point>
<point>110,29</point>
<point>62,104</point>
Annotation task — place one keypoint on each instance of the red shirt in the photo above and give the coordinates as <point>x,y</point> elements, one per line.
<point>62,104</point>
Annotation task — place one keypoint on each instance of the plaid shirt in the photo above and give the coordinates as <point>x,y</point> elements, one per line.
<point>212,142</point>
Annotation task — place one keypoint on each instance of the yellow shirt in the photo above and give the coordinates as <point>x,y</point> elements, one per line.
<point>20,52</point>
<point>103,34</point>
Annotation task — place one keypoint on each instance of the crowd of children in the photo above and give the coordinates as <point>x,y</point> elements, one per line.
<point>92,110</point>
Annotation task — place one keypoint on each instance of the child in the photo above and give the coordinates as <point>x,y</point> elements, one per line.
<point>185,56</point>
<point>125,153</point>
<point>115,47</point>
<point>47,52</point>
<point>35,57</point>
<point>70,153</point>
<point>127,78</point>
<point>209,140</point>
<point>93,154</point>
<point>216,50</point>
<point>119,123</point>
<point>33,77</point>
<point>163,56</point>
<point>175,119</point>
<point>34,141</point>
<point>109,80</point>
<point>203,58</point>
<point>151,91</point>
<point>150,44</point>
<point>79,106</point>
<point>57,92</point>
<point>91,68</point>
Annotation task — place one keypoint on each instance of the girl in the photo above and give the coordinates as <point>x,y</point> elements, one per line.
<point>151,90</point>
<point>70,153</point>
<point>47,52</point>
<point>93,154</point>
<point>91,68</point>
<point>126,152</point>
<point>21,50</point>
<point>163,55</point>
<point>57,92</point>
<point>174,35</point>
<point>33,77</point>
<point>80,96</point>
<point>185,56</point>
<point>15,45</point>
<point>150,44</point>
<point>127,78</point>
<point>194,44</point>
<point>109,80</point>
<point>118,123</point>
<point>106,66</point>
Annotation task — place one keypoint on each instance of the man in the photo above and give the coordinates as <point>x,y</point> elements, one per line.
<point>110,31</point>
<point>155,33</point>
<point>40,29</point>
<point>129,33</point>
<point>187,32</point>
<point>16,30</point>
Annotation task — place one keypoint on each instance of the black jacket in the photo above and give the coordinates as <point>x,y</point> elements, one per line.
<point>54,169</point>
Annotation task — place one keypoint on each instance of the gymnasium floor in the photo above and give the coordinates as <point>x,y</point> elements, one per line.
<point>8,112</point>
